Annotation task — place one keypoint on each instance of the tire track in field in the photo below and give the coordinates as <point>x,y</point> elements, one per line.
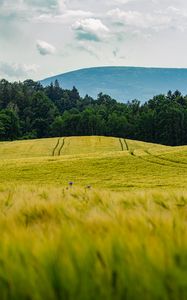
<point>61,147</point>
<point>164,163</point>
<point>56,146</point>
<point>126,144</point>
<point>167,159</point>
<point>132,152</point>
<point>147,160</point>
<point>121,144</point>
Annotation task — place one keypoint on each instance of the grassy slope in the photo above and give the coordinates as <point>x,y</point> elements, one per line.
<point>26,149</point>
<point>52,146</point>
<point>86,244</point>
<point>98,161</point>
<point>67,146</point>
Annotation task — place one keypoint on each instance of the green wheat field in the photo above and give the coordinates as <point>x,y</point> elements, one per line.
<point>87,218</point>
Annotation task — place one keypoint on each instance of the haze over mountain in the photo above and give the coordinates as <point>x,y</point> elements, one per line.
<point>123,83</point>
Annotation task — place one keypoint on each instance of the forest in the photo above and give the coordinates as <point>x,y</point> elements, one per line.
<point>28,111</point>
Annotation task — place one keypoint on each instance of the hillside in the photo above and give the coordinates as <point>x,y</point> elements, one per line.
<point>68,146</point>
<point>111,163</point>
<point>81,217</point>
<point>123,83</point>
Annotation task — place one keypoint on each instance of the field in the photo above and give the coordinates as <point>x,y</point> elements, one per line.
<point>119,231</point>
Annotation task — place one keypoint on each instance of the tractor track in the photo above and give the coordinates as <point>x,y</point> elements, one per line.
<point>157,162</point>
<point>56,146</point>
<point>148,161</point>
<point>152,162</point>
<point>126,144</point>
<point>61,147</point>
<point>166,159</point>
<point>121,144</point>
<point>132,152</point>
<point>56,151</point>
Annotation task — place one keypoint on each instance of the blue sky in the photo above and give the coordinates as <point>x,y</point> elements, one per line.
<point>39,38</point>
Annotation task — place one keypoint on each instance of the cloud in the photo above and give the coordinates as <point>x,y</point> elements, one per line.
<point>28,9</point>
<point>90,29</point>
<point>114,2</point>
<point>156,20</point>
<point>88,48</point>
<point>131,18</point>
<point>45,48</point>
<point>67,16</point>
<point>55,6</point>
<point>43,3</point>
<point>16,70</point>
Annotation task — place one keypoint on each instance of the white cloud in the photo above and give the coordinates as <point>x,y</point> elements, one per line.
<point>131,18</point>
<point>28,9</point>
<point>40,4</point>
<point>85,46</point>
<point>15,70</point>
<point>90,29</point>
<point>156,20</point>
<point>67,17</point>
<point>45,48</point>
<point>118,2</point>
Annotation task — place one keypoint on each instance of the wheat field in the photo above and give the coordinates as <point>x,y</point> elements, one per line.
<point>92,218</point>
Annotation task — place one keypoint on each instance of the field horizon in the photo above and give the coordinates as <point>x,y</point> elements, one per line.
<point>104,162</point>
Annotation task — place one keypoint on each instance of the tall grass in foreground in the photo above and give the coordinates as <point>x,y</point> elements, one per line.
<point>84,244</point>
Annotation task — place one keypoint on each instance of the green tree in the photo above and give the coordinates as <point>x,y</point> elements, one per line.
<point>9,125</point>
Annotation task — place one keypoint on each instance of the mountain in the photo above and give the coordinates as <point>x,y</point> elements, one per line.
<point>123,83</point>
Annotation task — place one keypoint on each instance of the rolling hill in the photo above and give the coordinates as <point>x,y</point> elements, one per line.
<point>70,146</point>
<point>111,163</point>
<point>117,231</point>
<point>123,83</point>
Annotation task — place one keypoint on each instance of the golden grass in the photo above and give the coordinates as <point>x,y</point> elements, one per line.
<point>45,147</point>
<point>87,145</point>
<point>111,170</point>
<point>89,244</point>
<point>123,238</point>
<point>27,148</point>
<point>72,146</point>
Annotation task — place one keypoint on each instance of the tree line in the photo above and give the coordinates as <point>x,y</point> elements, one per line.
<point>28,111</point>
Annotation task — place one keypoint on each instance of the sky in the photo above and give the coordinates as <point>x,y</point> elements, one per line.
<point>41,38</point>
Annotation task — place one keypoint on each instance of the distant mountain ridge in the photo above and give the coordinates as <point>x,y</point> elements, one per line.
<point>123,83</point>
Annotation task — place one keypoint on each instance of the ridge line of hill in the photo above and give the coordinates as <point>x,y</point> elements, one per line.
<point>123,82</point>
